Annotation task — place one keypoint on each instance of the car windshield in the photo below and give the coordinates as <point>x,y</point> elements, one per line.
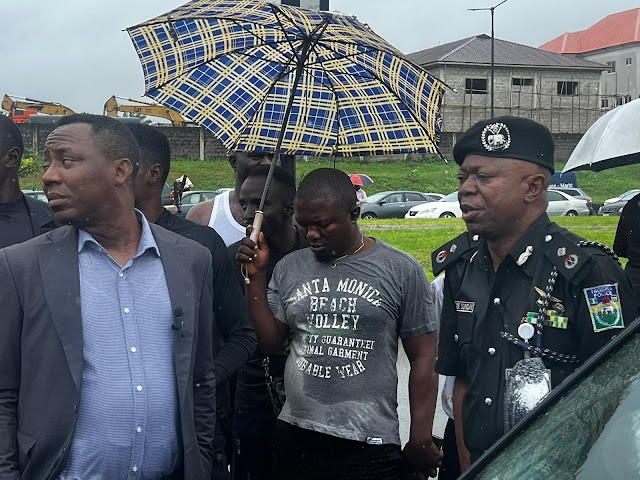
<point>591,432</point>
<point>376,196</point>
<point>452,197</point>
<point>629,195</point>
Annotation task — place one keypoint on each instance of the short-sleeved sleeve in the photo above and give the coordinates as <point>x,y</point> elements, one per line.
<point>449,361</point>
<point>598,309</point>
<point>418,315</point>
<point>276,303</point>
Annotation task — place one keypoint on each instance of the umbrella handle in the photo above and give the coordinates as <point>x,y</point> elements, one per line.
<point>257,226</point>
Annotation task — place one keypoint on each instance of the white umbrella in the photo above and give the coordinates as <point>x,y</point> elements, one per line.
<point>612,141</point>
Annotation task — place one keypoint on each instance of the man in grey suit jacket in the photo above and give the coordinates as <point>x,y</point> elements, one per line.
<point>107,365</point>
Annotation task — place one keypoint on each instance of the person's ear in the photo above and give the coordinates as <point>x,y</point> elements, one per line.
<point>154,174</point>
<point>233,161</point>
<point>12,158</point>
<point>355,214</point>
<point>288,209</point>
<point>123,169</point>
<point>535,185</point>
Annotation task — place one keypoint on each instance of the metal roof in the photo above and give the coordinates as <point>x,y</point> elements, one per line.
<point>614,30</point>
<point>477,51</point>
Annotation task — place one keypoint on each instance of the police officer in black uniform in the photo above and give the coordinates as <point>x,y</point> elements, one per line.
<point>516,267</point>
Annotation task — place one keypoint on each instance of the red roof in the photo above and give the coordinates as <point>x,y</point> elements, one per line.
<point>616,29</point>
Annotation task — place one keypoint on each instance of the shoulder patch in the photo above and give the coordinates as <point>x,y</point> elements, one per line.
<point>448,253</point>
<point>604,306</point>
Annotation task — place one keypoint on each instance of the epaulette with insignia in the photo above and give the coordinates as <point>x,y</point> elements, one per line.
<point>448,253</point>
<point>568,257</point>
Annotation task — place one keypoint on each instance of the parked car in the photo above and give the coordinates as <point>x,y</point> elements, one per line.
<point>167,195</point>
<point>37,194</point>
<point>446,207</point>
<point>576,193</point>
<point>394,204</point>
<point>586,428</point>
<point>561,203</point>
<point>189,199</point>
<point>615,208</point>
<point>628,195</point>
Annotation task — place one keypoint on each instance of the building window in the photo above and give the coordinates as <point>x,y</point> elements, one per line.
<point>522,82</point>
<point>604,103</point>
<point>567,88</point>
<point>628,61</point>
<point>611,67</point>
<point>475,85</point>
<point>619,101</point>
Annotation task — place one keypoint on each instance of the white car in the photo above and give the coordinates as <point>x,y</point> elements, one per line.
<point>625,196</point>
<point>447,207</point>
<point>560,203</point>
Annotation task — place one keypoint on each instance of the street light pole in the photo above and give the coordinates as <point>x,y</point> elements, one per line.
<point>493,47</point>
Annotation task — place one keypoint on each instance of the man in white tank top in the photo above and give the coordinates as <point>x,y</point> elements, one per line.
<point>224,213</point>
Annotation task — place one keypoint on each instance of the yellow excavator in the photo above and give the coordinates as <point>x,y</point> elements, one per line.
<point>112,107</point>
<point>22,108</point>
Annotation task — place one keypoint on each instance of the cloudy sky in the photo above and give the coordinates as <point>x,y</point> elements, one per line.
<point>75,52</point>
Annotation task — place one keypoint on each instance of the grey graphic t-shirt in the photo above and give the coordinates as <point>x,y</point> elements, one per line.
<point>341,376</point>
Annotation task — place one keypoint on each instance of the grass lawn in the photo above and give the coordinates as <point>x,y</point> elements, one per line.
<point>420,237</point>
<point>431,175</point>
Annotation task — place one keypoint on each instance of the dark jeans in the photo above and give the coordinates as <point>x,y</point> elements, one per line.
<point>252,441</point>
<point>450,463</point>
<point>304,454</point>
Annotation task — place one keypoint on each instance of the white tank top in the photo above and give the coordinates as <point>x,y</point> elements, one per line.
<point>222,220</point>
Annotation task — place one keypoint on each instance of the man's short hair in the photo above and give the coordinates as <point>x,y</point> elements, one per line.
<point>114,139</point>
<point>280,175</point>
<point>10,136</point>
<point>328,183</point>
<point>154,147</point>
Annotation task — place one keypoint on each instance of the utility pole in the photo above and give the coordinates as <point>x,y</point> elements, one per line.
<point>493,47</point>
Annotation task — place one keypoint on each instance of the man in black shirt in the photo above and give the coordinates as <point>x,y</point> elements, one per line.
<point>255,410</point>
<point>21,217</point>
<point>232,321</point>
<point>517,285</point>
<point>627,241</point>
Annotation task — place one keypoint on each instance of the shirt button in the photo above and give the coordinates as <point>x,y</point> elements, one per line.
<point>134,468</point>
<point>139,429</point>
<point>126,310</point>
<point>488,401</point>
<point>139,388</point>
<point>134,349</point>
<point>476,238</point>
<point>121,274</point>
<point>455,337</point>
<point>496,301</point>
<point>492,351</point>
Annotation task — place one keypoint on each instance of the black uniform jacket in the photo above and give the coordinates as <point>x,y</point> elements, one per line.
<point>480,303</point>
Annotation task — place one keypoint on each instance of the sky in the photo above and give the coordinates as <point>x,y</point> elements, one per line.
<point>75,52</point>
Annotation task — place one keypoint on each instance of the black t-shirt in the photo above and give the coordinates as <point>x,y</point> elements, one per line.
<point>231,315</point>
<point>15,223</point>
<point>251,390</point>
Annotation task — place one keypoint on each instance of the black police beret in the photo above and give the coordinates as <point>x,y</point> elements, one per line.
<point>507,137</point>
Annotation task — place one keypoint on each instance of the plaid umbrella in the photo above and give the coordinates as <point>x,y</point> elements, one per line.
<point>263,76</point>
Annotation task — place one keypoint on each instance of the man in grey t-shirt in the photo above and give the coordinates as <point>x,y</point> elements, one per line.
<point>345,300</point>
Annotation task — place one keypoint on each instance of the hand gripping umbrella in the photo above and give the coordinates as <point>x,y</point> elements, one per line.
<point>262,76</point>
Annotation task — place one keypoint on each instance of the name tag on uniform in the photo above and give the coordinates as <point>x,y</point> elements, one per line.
<point>465,307</point>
